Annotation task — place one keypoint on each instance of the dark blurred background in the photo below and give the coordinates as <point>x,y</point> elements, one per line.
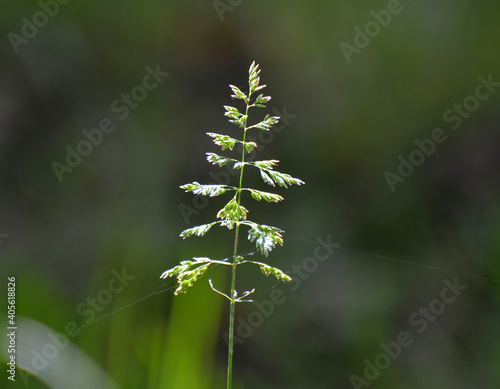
<point>349,118</point>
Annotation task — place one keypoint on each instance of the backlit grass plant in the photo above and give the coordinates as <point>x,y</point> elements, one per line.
<point>234,215</point>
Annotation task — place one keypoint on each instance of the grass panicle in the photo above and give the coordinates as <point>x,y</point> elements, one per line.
<point>234,215</point>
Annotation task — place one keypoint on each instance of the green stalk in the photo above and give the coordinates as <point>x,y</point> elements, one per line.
<point>232,305</point>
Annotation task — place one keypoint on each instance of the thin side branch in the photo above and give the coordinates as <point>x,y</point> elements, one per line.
<point>218,291</point>
<point>245,294</point>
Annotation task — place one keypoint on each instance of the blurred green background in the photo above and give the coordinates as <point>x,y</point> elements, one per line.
<point>120,208</point>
